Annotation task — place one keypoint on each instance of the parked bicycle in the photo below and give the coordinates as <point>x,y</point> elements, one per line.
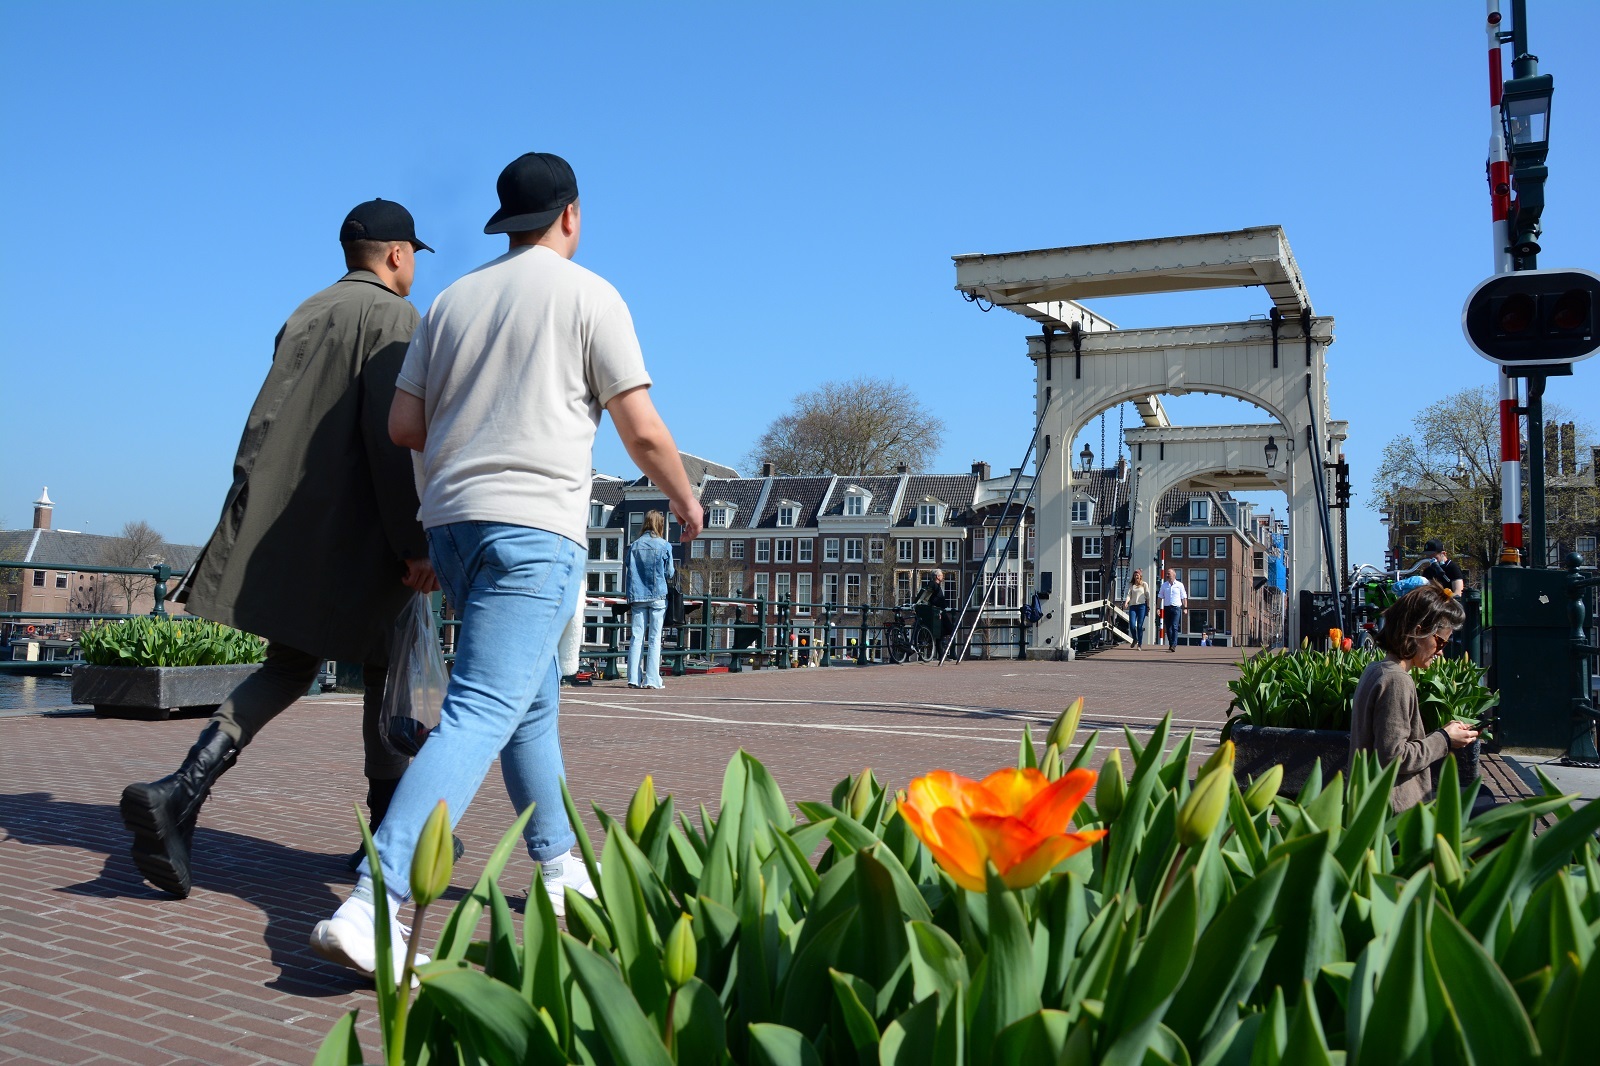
<point>899,637</point>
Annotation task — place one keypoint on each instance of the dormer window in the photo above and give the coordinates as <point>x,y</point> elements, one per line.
<point>855,505</point>
<point>787,513</point>
<point>1199,512</point>
<point>719,514</point>
<point>598,513</point>
<point>1082,511</point>
<point>927,514</point>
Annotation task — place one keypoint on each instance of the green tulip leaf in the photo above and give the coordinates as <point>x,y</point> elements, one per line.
<point>778,1045</point>
<point>622,1025</point>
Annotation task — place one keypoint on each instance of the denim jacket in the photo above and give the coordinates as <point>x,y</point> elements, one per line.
<point>649,567</point>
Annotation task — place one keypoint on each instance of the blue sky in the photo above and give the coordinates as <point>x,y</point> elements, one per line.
<point>776,190</point>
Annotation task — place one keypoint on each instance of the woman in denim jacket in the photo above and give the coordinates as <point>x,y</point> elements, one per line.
<point>649,569</point>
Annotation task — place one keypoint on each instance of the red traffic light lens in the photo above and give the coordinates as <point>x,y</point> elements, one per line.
<point>1516,313</point>
<point>1572,311</point>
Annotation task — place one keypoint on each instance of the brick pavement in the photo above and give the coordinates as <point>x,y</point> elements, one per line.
<point>96,967</point>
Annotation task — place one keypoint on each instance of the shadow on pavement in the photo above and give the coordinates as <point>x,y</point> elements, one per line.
<point>292,888</point>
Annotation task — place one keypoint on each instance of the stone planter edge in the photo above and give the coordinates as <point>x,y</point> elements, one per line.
<point>155,691</point>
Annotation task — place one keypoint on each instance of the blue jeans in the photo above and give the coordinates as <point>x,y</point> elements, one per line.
<point>644,668</point>
<point>1136,616</point>
<point>1172,617</point>
<point>515,588</point>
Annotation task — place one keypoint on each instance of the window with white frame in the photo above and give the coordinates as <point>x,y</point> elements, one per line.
<point>875,589</point>
<point>763,551</point>
<point>902,586</point>
<point>736,585</point>
<point>903,549</point>
<point>1219,584</point>
<point>1199,547</point>
<point>786,514</point>
<point>736,549</point>
<point>1081,510</point>
<point>1091,586</point>
<point>1585,546</point>
<point>852,550</point>
<point>1006,590</point>
<point>594,581</point>
<point>697,549</point>
<point>719,518</point>
<point>763,586</point>
<point>784,587</point>
<point>952,587</point>
<point>613,549</point>
<point>875,550</point>
<point>597,514</point>
<point>635,526</point>
<point>928,551</point>
<point>1198,620</point>
<point>1092,547</point>
<point>927,514</point>
<point>784,552</point>
<point>1258,563</point>
<point>610,582</point>
<point>980,543</point>
<point>830,550</point>
<point>855,505</point>
<point>802,593</point>
<point>952,551</point>
<point>1199,512</point>
<point>1177,547</point>
<point>1033,546</point>
<point>805,550</point>
<point>718,549</point>
<point>594,547</point>
<point>719,583</point>
<point>830,588</point>
<point>1222,622</point>
<point>852,590</point>
<point>1199,584</point>
<point>1219,547</point>
<point>697,583</point>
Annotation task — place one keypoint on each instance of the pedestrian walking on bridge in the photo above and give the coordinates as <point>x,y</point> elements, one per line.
<point>501,393</point>
<point>318,547</point>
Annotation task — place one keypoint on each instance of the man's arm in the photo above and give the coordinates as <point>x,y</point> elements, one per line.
<point>650,444</point>
<point>408,425</point>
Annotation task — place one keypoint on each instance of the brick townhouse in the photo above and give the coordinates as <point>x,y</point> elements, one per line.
<point>1219,548</point>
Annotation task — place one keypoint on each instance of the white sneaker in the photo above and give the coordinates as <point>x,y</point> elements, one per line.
<point>562,874</point>
<point>350,938</point>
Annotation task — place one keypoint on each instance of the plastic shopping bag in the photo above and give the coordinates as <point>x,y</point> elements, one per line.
<point>417,679</point>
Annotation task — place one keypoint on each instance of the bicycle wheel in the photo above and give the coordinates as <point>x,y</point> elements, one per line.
<point>923,642</point>
<point>899,647</point>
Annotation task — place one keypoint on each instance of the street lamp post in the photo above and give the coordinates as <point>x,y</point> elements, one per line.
<point>1086,458</point>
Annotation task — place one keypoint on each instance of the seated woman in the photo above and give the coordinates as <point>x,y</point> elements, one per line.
<point>1386,718</point>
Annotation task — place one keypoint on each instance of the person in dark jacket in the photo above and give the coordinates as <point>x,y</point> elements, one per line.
<point>319,546</point>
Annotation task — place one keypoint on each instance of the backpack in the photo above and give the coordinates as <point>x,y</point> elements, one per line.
<point>1033,611</point>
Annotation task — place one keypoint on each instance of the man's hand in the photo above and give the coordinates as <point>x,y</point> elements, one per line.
<point>1460,733</point>
<point>691,517</point>
<point>420,576</point>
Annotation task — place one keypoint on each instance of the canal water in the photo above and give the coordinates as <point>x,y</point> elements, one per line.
<point>34,693</point>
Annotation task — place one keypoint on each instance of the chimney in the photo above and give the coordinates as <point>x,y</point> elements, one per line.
<point>1122,468</point>
<point>1569,448</point>
<point>1552,448</point>
<point>902,468</point>
<point>41,510</point>
<point>980,470</point>
<point>766,469</point>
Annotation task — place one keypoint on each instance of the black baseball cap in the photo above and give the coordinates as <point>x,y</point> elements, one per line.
<point>534,189</point>
<point>381,220</point>
<point>1433,546</point>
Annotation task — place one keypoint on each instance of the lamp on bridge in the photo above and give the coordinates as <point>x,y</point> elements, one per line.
<point>1086,457</point>
<point>1272,453</point>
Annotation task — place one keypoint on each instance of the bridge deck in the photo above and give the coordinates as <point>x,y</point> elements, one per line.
<point>95,967</point>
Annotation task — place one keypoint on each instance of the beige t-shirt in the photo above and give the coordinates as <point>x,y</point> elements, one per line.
<point>513,363</point>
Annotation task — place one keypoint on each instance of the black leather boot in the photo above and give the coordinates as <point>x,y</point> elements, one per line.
<point>162,815</point>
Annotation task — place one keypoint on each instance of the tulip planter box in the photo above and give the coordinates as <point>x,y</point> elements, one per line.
<point>1258,749</point>
<point>155,692</point>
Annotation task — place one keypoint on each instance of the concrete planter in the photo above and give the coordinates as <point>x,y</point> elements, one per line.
<point>155,691</point>
<point>1258,749</point>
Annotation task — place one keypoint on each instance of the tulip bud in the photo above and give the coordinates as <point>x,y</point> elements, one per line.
<point>1223,756</point>
<point>433,857</point>
<point>1201,812</point>
<point>1065,727</point>
<point>1051,767</point>
<point>860,795</point>
<point>1112,790</point>
<point>641,807</point>
<point>1263,790</point>
<point>681,952</point>
<point>1445,862</point>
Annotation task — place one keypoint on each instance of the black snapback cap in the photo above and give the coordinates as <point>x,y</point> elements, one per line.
<point>381,220</point>
<point>534,189</point>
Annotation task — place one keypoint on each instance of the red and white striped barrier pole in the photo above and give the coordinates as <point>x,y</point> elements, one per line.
<point>1500,200</point>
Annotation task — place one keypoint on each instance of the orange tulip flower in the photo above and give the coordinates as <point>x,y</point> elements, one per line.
<point>1017,819</point>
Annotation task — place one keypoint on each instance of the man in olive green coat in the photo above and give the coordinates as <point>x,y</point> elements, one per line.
<point>319,546</point>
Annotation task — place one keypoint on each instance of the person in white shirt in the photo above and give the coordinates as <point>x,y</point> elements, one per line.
<point>1173,596</point>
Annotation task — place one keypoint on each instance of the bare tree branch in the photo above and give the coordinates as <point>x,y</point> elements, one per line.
<point>139,546</point>
<point>859,428</point>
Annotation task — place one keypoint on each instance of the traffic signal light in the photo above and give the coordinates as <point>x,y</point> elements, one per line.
<point>1534,317</point>
<point>1341,483</point>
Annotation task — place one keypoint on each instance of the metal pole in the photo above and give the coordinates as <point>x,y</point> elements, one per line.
<point>1499,170</point>
<point>1540,551</point>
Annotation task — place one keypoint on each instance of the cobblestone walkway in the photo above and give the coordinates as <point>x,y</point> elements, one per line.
<point>96,967</point>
